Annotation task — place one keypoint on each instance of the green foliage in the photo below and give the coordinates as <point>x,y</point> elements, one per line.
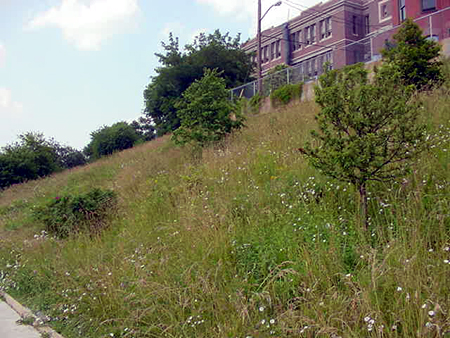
<point>285,94</point>
<point>255,102</point>
<point>144,128</point>
<point>367,131</point>
<point>109,139</point>
<point>73,213</point>
<point>28,159</point>
<point>415,56</point>
<point>205,112</point>
<point>180,69</point>
<point>276,78</point>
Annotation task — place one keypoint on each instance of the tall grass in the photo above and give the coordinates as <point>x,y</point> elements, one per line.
<point>247,242</point>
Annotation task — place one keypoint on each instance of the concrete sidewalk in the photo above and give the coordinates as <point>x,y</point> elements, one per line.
<point>9,327</point>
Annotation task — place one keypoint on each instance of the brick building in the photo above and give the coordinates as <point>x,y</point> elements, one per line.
<point>345,32</point>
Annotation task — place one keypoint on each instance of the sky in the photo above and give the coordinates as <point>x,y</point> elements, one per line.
<point>69,67</point>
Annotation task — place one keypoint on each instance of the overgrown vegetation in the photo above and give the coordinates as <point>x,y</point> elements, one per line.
<point>285,94</point>
<point>71,214</point>
<point>179,69</point>
<point>248,242</point>
<point>33,156</point>
<point>205,112</point>
<point>415,57</point>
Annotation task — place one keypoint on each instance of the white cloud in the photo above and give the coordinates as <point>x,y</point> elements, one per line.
<point>2,55</point>
<point>7,104</point>
<point>88,23</point>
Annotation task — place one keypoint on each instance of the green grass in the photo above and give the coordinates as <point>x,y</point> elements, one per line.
<point>249,241</point>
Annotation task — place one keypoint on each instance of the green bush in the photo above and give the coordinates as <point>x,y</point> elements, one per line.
<point>74,213</point>
<point>286,94</point>
<point>255,103</point>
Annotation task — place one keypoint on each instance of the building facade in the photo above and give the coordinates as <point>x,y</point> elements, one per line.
<point>344,32</point>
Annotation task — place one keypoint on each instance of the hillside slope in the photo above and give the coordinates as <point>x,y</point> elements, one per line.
<point>247,241</point>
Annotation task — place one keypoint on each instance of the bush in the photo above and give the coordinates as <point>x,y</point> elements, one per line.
<point>255,103</point>
<point>71,214</point>
<point>415,56</point>
<point>286,94</point>
<point>109,139</point>
<point>205,112</point>
<point>30,158</point>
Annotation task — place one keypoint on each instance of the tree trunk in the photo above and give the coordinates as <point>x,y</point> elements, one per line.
<point>363,205</point>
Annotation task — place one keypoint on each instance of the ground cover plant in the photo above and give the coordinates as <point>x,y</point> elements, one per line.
<point>248,242</point>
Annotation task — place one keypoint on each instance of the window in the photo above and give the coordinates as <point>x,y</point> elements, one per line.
<point>366,25</point>
<point>428,5</point>
<point>273,51</point>
<point>307,36</point>
<point>325,28</point>
<point>266,54</point>
<point>384,12</point>
<point>354,27</point>
<point>278,44</point>
<point>292,41</point>
<point>313,33</point>
<point>402,10</point>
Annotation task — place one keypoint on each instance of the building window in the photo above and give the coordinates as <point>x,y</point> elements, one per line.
<point>428,5</point>
<point>273,51</point>
<point>402,10</point>
<point>354,26</point>
<point>313,33</point>
<point>278,48</point>
<point>366,25</point>
<point>325,28</point>
<point>307,36</point>
<point>384,10</point>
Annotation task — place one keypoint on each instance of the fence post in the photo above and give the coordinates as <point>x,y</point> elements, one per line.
<point>430,22</point>
<point>288,82</point>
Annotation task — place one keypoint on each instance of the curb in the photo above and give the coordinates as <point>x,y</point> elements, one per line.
<point>24,312</point>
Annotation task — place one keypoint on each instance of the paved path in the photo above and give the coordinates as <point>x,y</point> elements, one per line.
<point>8,326</point>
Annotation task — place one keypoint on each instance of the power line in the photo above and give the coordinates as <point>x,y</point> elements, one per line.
<point>341,20</point>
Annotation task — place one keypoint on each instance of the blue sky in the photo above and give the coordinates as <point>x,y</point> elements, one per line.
<point>67,67</point>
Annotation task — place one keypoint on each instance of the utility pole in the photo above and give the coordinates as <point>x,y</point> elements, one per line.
<point>259,48</point>
<point>258,37</point>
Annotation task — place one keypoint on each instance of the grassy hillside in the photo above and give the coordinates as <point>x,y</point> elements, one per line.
<point>249,241</point>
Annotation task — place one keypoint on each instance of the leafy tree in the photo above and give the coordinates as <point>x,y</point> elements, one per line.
<point>367,131</point>
<point>107,140</point>
<point>68,157</point>
<point>29,158</point>
<point>415,56</point>
<point>179,69</point>
<point>144,127</point>
<point>205,112</point>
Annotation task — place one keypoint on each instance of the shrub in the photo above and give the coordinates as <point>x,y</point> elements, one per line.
<point>205,112</point>
<point>415,56</point>
<point>74,213</point>
<point>286,94</point>
<point>367,131</point>
<point>255,103</point>
<point>108,140</point>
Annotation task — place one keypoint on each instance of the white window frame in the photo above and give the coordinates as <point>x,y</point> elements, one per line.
<point>380,7</point>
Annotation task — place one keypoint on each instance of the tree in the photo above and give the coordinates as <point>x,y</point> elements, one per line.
<point>367,131</point>
<point>415,56</point>
<point>29,158</point>
<point>107,140</point>
<point>205,112</point>
<point>180,69</point>
<point>144,127</point>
